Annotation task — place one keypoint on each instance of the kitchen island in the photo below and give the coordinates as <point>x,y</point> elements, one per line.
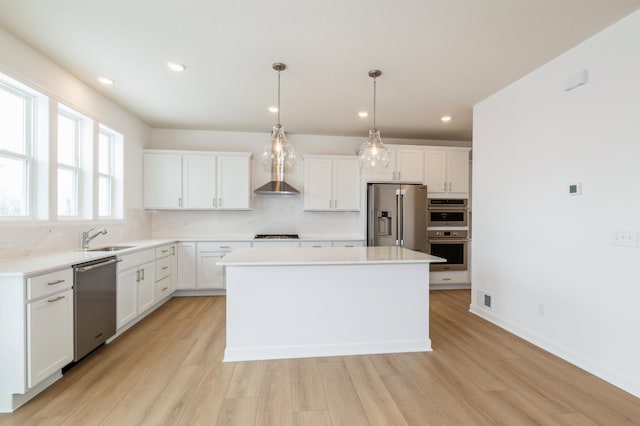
<point>295,302</point>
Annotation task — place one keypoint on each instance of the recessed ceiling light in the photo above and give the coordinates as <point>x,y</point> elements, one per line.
<point>175,67</point>
<point>445,118</point>
<point>363,114</point>
<point>106,81</point>
<point>273,109</point>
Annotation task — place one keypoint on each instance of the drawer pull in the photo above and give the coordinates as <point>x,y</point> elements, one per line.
<point>164,268</point>
<point>165,251</point>
<point>56,299</point>
<point>56,282</point>
<point>165,288</point>
<point>446,279</point>
<point>225,247</point>
<point>98,336</point>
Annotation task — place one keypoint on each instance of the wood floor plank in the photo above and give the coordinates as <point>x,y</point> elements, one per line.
<point>205,404</point>
<point>344,404</point>
<point>275,405</point>
<point>238,412</point>
<point>378,404</point>
<point>246,380</point>
<point>312,418</point>
<point>307,391</point>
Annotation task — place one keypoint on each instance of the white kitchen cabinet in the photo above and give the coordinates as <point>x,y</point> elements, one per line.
<point>210,276</point>
<point>162,180</point>
<point>135,286</point>
<point>165,271</point>
<point>331,183</point>
<point>200,180</point>
<point>186,266</point>
<point>49,324</point>
<point>447,172</point>
<point>406,164</point>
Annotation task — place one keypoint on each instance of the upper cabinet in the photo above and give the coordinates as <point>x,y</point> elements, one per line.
<point>197,180</point>
<point>331,183</point>
<point>446,172</point>
<point>405,165</point>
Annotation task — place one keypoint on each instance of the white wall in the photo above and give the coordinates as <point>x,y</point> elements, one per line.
<point>28,66</point>
<point>270,214</point>
<point>545,257</point>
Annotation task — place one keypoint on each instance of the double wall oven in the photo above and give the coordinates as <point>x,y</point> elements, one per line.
<point>447,233</point>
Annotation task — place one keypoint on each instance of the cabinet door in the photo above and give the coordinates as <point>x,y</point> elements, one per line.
<point>199,182</point>
<point>434,176</point>
<point>162,181</point>
<point>210,275</point>
<point>458,172</point>
<point>409,165</point>
<point>346,184</point>
<point>146,285</point>
<point>234,182</point>
<point>50,335</point>
<point>127,296</point>
<point>186,266</point>
<point>318,184</point>
<point>174,267</point>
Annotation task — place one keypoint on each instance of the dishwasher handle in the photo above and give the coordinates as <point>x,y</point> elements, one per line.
<point>97,265</point>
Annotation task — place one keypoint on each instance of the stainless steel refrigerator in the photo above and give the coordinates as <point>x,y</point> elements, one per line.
<point>397,215</point>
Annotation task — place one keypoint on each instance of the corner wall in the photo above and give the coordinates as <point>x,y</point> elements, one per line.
<point>546,258</point>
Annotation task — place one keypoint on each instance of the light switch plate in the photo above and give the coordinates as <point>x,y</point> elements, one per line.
<point>575,189</point>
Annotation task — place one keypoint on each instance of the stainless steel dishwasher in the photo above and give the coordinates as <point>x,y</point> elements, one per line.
<point>94,293</point>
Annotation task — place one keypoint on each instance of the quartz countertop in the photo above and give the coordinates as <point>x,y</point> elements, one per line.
<point>282,256</point>
<point>32,265</point>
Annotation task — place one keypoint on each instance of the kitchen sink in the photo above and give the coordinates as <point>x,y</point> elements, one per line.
<point>111,248</point>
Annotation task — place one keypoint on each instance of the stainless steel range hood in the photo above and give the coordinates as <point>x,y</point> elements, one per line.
<point>277,185</point>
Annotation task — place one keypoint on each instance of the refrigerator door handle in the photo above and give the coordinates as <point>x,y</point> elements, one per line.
<point>400,222</point>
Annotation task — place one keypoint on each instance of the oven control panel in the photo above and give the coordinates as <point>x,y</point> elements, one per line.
<point>447,234</point>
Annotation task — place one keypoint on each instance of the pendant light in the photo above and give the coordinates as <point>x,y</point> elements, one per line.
<point>278,152</point>
<point>372,153</point>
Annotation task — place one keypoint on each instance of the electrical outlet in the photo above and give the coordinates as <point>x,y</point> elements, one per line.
<point>626,238</point>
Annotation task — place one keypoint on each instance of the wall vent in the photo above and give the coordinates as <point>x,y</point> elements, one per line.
<point>484,299</point>
<point>487,300</point>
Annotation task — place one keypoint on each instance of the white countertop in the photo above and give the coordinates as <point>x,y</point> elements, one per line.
<point>280,256</point>
<point>31,265</point>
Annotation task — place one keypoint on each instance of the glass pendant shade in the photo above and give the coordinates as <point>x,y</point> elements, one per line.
<point>278,151</point>
<point>372,153</point>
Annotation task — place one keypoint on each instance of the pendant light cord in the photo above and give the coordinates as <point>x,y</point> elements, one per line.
<point>278,98</point>
<point>374,103</point>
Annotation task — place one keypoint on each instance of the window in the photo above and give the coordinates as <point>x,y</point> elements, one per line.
<point>74,165</point>
<point>16,114</point>
<point>109,173</point>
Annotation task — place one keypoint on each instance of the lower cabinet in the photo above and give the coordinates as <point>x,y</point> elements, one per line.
<point>186,266</point>
<point>135,286</point>
<point>49,335</point>
<point>210,276</point>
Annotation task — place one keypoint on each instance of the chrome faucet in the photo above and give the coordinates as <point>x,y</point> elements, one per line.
<point>87,236</point>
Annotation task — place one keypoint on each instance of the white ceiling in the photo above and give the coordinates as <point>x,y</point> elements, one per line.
<point>437,57</point>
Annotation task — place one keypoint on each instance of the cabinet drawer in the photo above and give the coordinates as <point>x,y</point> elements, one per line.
<point>163,268</point>
<point>222,245</point>
<point>163,288</point>
<point>134,259</point>
<point>53,282</point>
<point>164,251</point>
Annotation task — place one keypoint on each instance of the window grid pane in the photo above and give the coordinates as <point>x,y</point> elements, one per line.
<point>68,135</point>
<point>104,196</point>
<point>67,192</point>
<point>105,154</point>
<point>13,186</point>
<point>13,120</point>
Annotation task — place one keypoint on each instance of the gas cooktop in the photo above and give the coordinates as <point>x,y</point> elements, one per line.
<point>276,237</point>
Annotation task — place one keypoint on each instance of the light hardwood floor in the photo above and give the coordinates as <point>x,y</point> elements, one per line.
<point>168,370</point>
